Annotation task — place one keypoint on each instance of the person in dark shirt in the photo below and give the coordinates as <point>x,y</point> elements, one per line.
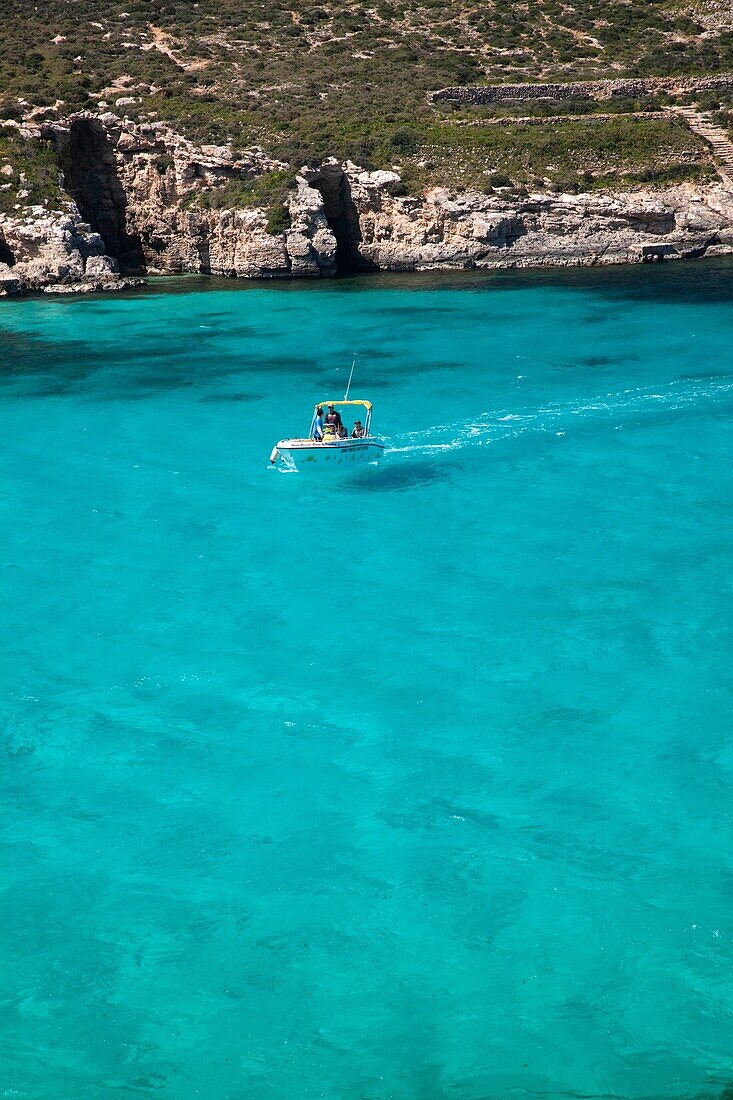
<point>333,418</point>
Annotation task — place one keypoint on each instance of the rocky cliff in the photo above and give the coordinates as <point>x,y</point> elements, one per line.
<point>142,200</point>
<point>56,252</point>
<point>480,231</point>
<point>143,187</point>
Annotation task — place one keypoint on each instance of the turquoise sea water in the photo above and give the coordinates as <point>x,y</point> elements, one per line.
<point>414,782</point>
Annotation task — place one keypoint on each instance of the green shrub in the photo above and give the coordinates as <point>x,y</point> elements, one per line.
<point>404,140</point>
<point>36,161</point>
<point>278,219</point>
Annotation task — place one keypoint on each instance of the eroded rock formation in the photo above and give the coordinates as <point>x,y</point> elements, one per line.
<point>140,201</point>
<point>142,187</point>
<point>476,230</point>
<point>55,252</point>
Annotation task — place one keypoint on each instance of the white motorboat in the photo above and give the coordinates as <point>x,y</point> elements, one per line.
<point>330,450</point>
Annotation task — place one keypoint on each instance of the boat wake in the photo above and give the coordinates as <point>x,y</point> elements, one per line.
<point>558,418</point>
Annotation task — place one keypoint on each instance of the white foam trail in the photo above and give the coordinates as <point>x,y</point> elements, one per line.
<point>556,417</point>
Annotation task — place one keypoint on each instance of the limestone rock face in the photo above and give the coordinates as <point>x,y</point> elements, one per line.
<point>164,205</point>
<point>9,283</point>
<point>236,242</point>
<point>628,87</point>
<point>477,230</point>
<point>311,243</point>
<point>144,200</point>
<point>43,249</point>
<point>101,267</point>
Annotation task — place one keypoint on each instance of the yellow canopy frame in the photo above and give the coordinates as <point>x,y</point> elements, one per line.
<point>366,404</point>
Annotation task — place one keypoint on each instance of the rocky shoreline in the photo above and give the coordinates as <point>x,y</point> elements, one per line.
<point>133,206</point>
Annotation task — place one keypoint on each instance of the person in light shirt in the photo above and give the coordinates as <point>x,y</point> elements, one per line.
<point>318,424</point>
<point>358,431</point>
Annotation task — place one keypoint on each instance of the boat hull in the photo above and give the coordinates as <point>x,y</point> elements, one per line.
<point>306,454</point>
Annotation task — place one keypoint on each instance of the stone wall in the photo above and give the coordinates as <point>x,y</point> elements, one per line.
<point>631,88</point>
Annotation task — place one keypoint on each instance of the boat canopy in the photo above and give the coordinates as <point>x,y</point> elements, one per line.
<point>321,404</point>
<point>324,404</point>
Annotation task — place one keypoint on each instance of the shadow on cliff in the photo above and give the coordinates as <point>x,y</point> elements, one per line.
<point>343,219</point>
<point>7,255</point>
<point>88,163</point>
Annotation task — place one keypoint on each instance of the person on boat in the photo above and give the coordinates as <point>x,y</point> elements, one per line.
<point>342,432</point>
<point>333,418</point>
<point>318,424</point>
<point>358,431</point>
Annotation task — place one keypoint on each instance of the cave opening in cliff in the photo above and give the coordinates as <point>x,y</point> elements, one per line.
<point>7,256</point>
<point>87,160</point>
<point>342,217</point>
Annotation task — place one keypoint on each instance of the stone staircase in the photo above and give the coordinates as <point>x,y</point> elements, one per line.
<point>716,138</point>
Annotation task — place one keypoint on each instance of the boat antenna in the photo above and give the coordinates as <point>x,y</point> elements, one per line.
<point>353,364</point>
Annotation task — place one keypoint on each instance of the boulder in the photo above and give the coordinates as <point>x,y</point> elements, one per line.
<point>9,282</point>
<point>101,267</point>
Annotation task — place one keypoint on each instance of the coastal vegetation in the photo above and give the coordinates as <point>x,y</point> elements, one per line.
<point>268,190</point>
<point>351,80</point>
<point>29,173</point>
